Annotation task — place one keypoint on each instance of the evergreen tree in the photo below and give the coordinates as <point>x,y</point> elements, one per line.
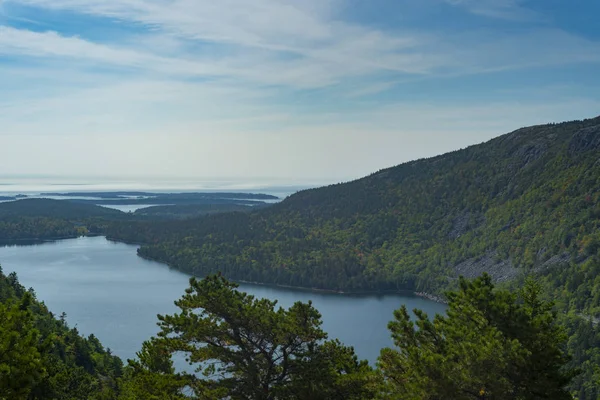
<point>247,348</point>
<point>21,364</point>
<point>41,358</point>
<point>493,344</point>
<point>152,376</point>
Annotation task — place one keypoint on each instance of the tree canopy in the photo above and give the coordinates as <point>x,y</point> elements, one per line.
<point>41,358</point>
<point>492,344</point>
<point>248,348</point>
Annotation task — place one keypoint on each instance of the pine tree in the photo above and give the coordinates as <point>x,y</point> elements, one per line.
<point>247,348</point>
<point>493,344</point>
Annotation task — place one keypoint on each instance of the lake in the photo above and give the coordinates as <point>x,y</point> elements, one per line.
<point>107,290</point>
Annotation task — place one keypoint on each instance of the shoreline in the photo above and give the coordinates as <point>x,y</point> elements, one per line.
<point>432,297</point>
<point>428,296</point>
<point>16,242</point>
<point>128,243</point>
<point>425,295</point>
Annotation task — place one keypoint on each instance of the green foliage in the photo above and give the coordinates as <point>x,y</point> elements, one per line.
<point>493,344</point>
<point>45,219</point>
<point>152,376</point>
<point>37,228</point>
<point>41,358</point>
<point>247,348</point>
<point>575,288</point>
<point>193,210</point>
<point>21,366</point>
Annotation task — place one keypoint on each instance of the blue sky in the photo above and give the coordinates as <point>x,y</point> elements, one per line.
<point>303,90</point>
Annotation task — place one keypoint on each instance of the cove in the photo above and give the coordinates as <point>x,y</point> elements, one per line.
<point>106,289</point>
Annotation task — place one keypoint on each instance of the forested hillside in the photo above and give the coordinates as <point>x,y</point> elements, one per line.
<point>524,202</point>
<point>42,358</point>
<point>193,210</point>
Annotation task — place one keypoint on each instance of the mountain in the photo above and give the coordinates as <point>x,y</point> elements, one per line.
<point>523,202</point>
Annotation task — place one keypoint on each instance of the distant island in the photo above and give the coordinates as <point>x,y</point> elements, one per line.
<point>184,211</point>
<point>154,195</point>
<point>151,198</point>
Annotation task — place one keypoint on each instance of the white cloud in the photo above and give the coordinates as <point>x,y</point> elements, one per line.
<point>291,43</point>
<point>502,9</point>
<point>205,87</point>
<point>268,32</point>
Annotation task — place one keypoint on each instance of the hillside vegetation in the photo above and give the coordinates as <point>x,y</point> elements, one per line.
<point>184,211</point>
<point>523,202</point>
<point>42,358</point>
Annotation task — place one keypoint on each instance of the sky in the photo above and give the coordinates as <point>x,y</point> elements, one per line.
<point>296,90</point>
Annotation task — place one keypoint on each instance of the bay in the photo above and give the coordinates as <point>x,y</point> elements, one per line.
<point>106,289</point>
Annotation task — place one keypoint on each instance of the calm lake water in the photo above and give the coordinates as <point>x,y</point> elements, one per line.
<point>107,290</point>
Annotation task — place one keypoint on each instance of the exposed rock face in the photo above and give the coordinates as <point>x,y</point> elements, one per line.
<point>531,152</point>
<point>554,260</point>
<point>432,297</point>
<point>586,139</point>
<point>464,223</point>
<point>500,271</point>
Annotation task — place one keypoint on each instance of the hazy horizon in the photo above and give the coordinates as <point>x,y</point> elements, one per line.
<point>198,182</point>
<point>318,90</point>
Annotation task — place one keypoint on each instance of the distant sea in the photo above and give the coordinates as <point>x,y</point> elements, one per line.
<point>33,186</point>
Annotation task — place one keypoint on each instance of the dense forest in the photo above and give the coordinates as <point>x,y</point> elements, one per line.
<point>42,358</point>
<point>185,211</point>
<point>45,219</point>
